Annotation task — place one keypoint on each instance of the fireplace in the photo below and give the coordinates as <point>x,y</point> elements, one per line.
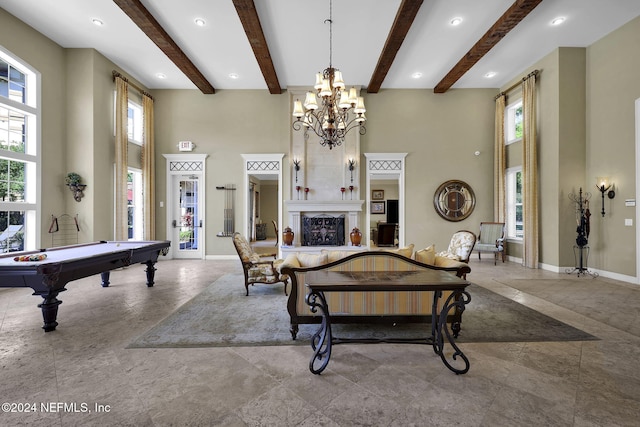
<point>348,210</point>
<point>322,230</point>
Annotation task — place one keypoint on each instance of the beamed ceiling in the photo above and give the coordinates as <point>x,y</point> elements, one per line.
<point>276,44</point>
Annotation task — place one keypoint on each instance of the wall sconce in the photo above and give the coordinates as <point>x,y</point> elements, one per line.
<point>296,166</point>
<point>603,184</point>
<point>352,166</point>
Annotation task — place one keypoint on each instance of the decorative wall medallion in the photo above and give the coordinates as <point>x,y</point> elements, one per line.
<point>454,200</point>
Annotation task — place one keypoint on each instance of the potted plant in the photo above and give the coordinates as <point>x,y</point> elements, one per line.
<point>73,178</point>
<point>74,182</point>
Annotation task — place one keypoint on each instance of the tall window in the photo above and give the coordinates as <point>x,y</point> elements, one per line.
<point>134,122</point>
<point>135,203</point>
<point>513,122</point>
<point>514,203</point>
<point>19,155</point>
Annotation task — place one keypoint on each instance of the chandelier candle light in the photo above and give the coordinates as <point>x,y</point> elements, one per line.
<point>339,110</point>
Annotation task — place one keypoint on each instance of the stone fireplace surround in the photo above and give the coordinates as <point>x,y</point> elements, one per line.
<point>351,209</point>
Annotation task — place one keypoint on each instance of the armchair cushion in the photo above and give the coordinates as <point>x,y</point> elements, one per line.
<point>491,239</point>
<point>460,247</point>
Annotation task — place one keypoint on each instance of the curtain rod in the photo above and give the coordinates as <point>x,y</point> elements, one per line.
<point>136,87</point>
<point>513,86</point>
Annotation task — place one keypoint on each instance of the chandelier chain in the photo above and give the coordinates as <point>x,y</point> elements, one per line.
<point>332,111</point>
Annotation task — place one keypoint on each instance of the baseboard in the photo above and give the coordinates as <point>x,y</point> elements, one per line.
<point>603,273</point>
<point>221,257</point>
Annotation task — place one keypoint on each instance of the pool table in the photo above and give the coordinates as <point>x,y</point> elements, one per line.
<point>49,276</point>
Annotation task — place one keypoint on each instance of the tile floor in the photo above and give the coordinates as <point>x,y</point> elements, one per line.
<point>86,362</point>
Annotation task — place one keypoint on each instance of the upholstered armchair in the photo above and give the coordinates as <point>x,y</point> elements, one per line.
<point>256,269</point>
<point>460,247</point>
<point>491,239</point>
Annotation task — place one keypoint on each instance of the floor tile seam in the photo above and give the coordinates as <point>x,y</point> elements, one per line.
<point>547,308</point>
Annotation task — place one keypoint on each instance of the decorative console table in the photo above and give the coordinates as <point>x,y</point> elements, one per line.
<point>323,281</point>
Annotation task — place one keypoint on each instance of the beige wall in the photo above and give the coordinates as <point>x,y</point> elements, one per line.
<point>613,65</point>
<point>561,151</point>
<point>224,126</point>
<point>269,205</point>
<point>441,133</point>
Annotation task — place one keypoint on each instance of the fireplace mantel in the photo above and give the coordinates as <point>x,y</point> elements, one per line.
<point>350,208</point>
<point>324,205</point>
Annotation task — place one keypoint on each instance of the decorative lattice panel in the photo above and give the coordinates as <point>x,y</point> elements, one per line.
<point>385,165</point>
<point>263,165</point>
<point>186,166</point>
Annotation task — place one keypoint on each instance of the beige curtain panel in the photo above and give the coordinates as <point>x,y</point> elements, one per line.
<point>122,141</point>
<point>148,169</point>
<point>529,173</point>
<point>499,163</point>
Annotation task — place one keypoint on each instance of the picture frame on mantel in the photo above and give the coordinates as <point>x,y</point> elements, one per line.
<point>377,195</point>
<point>377,208</point>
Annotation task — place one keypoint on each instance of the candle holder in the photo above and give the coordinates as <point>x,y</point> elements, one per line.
<point>306,191</point>
<point>342,190</point>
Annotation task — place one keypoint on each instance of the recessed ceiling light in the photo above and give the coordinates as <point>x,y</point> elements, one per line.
<point>200,22</point>
<point>234,76</point>
<point>490,74</point>
<point>161,75</point>
<point>557,21</point>
<point>97,22</point>
<point>456,21</point>
<point>416,75</point>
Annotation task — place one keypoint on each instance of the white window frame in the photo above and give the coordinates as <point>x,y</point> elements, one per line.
<point>510,122</point>
<point>31,206</point>
<point>135,124</point>
<point>511,223</point>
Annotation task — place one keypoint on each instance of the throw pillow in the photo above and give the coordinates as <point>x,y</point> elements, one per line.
<point>337,255</point>
<point>407,251</point>
<point>311,260</point>
<point>427,255</point>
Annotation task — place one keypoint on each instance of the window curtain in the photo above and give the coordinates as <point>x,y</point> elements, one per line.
<point>148,168</point>
<point>499,163</point>
<point>122,141</point>
<point>529,173</point>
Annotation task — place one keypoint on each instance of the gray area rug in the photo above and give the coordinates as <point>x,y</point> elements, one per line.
<point>222,316</point>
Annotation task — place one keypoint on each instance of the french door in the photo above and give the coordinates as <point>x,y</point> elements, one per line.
<point>187,219</point>
<point>185,205</point>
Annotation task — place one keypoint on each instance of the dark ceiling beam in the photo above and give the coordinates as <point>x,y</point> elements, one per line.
<point>148,24</point>
<point>507,22</point>
<point>404,19</point>
<point>249,17</point>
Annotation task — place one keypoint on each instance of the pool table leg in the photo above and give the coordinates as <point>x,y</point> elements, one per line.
<point>105,279</point>
<point>151,272</point>
<point>50,310</point>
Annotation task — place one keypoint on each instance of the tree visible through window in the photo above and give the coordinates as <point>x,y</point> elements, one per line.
<point>513,122</point>
<point>18,154</point>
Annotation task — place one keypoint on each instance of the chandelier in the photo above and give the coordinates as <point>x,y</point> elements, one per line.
<point>338,111</point>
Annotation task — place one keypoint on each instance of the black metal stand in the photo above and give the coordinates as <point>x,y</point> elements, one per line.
<point>582,218</point>
<point>581,262</point>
